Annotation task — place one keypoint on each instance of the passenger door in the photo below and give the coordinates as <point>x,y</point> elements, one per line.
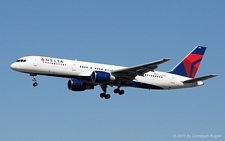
<point>35,62</point>
<point>74,67</point>
<point>172,80</point>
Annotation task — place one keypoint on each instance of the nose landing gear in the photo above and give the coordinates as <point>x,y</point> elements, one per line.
<point>34,79</point>
<point>35,84</point>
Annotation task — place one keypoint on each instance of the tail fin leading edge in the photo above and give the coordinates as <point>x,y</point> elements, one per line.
<point>188,67</point>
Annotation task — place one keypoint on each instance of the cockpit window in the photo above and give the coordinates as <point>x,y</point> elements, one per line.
<point>21,60</point>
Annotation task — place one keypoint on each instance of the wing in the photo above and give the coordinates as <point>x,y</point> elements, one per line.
<point>128,74</point>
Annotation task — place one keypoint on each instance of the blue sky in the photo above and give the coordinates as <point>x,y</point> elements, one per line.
<point>123,33</point>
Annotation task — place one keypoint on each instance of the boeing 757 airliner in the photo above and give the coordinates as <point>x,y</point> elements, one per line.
<point>86,75</point>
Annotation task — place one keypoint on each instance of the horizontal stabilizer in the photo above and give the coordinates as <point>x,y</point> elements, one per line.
<point>200,78</point>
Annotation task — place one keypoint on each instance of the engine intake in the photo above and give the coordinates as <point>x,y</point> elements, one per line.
<point>77,85</point>
<point>102,77</point>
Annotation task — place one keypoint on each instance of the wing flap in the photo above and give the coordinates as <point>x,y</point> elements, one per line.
<point>200,78</point>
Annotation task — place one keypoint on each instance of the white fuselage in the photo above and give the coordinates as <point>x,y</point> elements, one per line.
<point>80,70</point>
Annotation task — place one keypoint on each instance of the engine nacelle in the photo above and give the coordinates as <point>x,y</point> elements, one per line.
<point>102,77</point>
<point>77,85</point>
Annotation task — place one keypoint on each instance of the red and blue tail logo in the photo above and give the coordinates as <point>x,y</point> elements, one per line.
<point>188,67</point>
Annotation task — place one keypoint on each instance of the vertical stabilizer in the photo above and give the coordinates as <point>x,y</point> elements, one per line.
<point>188,67</point>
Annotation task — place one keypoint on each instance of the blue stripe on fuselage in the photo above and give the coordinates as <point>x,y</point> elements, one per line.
<point>143,85</point>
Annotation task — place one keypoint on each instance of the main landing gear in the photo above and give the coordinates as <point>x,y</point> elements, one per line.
<point>34,79</point>
<point>107,96</point>
<point>104,95</point>
<point>118,91</point>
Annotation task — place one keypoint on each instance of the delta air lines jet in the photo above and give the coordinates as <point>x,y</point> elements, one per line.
<point>86,75</point>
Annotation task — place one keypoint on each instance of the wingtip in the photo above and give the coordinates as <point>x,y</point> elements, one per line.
<point>166,59</point>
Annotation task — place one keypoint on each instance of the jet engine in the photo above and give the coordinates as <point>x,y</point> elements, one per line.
<point>77,85</point>
<point>102,77</point>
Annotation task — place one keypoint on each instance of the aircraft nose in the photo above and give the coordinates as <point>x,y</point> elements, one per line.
<point>13,66</point>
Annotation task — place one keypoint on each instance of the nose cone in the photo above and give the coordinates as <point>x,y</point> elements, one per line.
<point>13,66</point>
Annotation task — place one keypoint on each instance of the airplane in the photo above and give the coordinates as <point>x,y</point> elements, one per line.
<point>86,75</point>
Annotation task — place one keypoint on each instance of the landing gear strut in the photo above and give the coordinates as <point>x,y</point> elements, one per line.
<point>34,79</point>
<point>104,95</point>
